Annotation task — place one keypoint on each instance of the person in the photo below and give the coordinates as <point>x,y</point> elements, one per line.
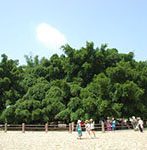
<point>134,123</point>
<point>140,124</point>
<point>92,128</point>
<point>108,124</point>
<point>79,129</point>
<point>87,127</point>
<point>113,124</point>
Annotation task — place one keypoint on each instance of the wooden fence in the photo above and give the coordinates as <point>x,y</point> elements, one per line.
<point>57,127</point>
<point>33,127</point>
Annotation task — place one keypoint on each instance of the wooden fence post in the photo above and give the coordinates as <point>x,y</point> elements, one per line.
<point>46,127</point>
<point>73,126</point>
<point>23,127</point>
<point>70,127</point>
<point>5,127</point>
<point>103,126</point>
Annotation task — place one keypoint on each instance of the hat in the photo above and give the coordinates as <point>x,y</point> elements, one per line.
<point>133,117</point>
<point>86,121</point>
<point>79,121</point>
<point>91,119</point>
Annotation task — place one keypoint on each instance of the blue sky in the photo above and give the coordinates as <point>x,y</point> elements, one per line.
<point>40,27</point>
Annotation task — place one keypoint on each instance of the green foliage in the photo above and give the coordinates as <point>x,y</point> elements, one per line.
<point>10,82</point>
<point>64,115</point>
<point>81,84</point>
<point>74,104</point>
<point>22,116</point>
<point>79,114</point>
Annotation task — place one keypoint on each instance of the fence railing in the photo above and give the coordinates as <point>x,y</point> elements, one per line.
<point>59,127</point>
<point>33,127</point>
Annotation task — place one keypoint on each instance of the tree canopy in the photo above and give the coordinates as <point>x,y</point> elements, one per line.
<point>80,84</point>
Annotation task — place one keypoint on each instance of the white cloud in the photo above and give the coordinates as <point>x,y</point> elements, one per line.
<point>50,37</point>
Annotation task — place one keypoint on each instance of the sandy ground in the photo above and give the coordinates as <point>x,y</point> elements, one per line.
<point>55,140</point>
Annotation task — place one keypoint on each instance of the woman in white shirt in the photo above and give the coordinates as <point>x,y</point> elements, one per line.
<point>92,128</point>
<point>140,124</point>
<point>87,127</point>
